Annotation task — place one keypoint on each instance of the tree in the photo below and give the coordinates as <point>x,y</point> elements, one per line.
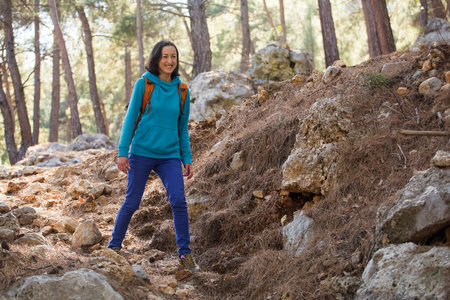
<point>200,37</point>
<point>56,87</point>
<point>283,23</point>
<point>269,18</point>
<point>423,13</point>
<point>438,9</point>
<point>100,118</point>
<point>139,37</point>
<point>72,99</point>
<point>7,114</point>
<point>246,40</point>
<point>19,94</point>
<point>328,33</point>
<point>37,75</point>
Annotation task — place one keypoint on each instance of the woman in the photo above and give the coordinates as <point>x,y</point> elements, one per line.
<point>161,140</point>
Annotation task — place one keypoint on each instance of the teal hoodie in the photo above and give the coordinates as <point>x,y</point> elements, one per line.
<point>160,134</point>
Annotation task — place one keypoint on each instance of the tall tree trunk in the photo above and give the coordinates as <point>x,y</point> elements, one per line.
<point>372,38</point>
<point>24,121</point>
<point>438,9</point>
<point>200,37</point>
<point>423,13</point>
<point>383,26</point>
<point>246,40</point>
<point>128,86</point>
<point>328,33</point>
<point>99,117</point>
<point>6,84</point>
<point>269,18</point>
<point>7,114</point>
<point>56,97</point>
<point>283,24</point>
<point>37,76</point>
<point>139,37</point>
<point>75,120</point>
<point>448,9</point>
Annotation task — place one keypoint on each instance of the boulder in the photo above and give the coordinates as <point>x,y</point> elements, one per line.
<point>406,271</point>
<point>430,86</point>
<point>113,265</point>
<point>86,234</point>
<point>213,91</point>
<point>331,74</point>
<point>298,234</point>
<point>78,188</point>
<point>9,227</point>
<point>394,69</point>
<point>112,173</point>
<point>436,32</point>
<point>441,159</point>
<point>4,208</point>
<point>82,284</point>
<point>32,239</point>
<point>422,209</point>
<point>277,63</point>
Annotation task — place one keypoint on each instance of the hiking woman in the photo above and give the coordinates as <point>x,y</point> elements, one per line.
<point>160,143</point>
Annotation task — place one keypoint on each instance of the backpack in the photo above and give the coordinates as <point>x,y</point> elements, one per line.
<point>149,86</point>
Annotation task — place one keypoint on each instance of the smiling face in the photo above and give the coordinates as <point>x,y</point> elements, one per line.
<point>168,61</point>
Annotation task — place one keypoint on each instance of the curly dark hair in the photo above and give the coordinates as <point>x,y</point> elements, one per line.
<point>155,57</point>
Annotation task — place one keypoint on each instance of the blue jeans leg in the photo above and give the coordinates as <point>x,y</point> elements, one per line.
<point>171,174</point>
<point>137,178</point>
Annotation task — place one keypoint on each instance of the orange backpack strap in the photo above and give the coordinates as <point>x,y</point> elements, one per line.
<point>183,95</point>
<point>149,86</point>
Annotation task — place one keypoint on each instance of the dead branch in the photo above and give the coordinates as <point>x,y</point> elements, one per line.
<point>428,133</point>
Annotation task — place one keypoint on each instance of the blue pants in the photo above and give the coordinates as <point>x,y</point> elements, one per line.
<point>170,172</point>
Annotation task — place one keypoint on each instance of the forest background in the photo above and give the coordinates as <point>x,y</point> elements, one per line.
<point>118,62</point>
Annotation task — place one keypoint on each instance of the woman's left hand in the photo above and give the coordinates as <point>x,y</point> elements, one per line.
<point>188,171</point>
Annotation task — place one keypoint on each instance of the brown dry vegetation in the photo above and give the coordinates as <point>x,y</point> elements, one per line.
<point>237,239</point>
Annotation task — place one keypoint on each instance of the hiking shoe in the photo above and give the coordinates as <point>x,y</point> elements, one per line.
<point>186,261</point>
<point>115,249</point>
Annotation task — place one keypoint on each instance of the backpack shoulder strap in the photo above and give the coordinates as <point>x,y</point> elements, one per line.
<point>183,95</point>
<point>149,86</point>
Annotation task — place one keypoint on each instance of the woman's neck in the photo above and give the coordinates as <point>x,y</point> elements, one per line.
<point>165,77</point>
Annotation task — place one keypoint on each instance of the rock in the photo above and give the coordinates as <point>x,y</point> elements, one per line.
<point>298,234</point>
<point>445,88</point>
<point>437,31</point>
<point>100,189</point>
<point>78,188</point>
<point>78,146</point>
<point>139,272</point>
<point>441,159</point>
<point>52,162</point>
<point>422,209</point>
<point>46,230</point>
<point>237,161</point>
<point>164,237</point>
<point>183,293</point>
<point>55,146</point>
<point>394,69</point>
<point>113,265</point>
<point>65,224</point>
<point>258,194</point>
<point>154,255</point>
<point>447,76</point>
<point>62,172</point>
<point>86,234</point>
<point>165,289</point>
<point>112,173</point>
<point>278,63</point>
<point>80,284</point>
<point>331,73</point>
<point>41,250</point>
<point>430,86</point>
<point>4,208</point>
<point>9,227</point>
<point>402,91</point>
<point>183,274</point>
<point>339,63</point>
<point>217,90</point>
<point>263,95</point>
<point>32,239</point>
<point>406,271</point>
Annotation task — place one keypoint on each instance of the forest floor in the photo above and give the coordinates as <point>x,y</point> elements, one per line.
<point>236,236</point>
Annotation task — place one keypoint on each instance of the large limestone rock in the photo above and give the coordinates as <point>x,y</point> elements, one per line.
<point>86,234</point>
<point>95,141</point>
<point>436,32</point>
<point>278,63</point>
<point>217,90</point>
<point>311,166</point>
<point>113,265</point>
<point>422,209</point>
<point>298,234</point>
<point>82,284</point>
<point>406,271</point>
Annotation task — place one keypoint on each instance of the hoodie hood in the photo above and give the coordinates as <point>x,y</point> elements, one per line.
<point>155,79</point>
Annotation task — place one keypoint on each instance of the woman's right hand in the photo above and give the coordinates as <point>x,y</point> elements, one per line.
<point>123,164</point>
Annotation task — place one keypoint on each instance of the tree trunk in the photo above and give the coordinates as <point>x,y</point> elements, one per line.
<point>200,37</point>
<point>438,9</point>
<point>56,97</point>
<point>6,84</point>
<point>139,37</point>
<point>383,26</point>
<point>423,13</point>
<point>19,94</point>
<point>99,117</point>
<point>246,41</point>
<point>7,114</point>
<point>283,24</point>
<point>128,85</point>
<point>269,18</point>
<point>372,38</point>
<point>328,33</point>
<point>72,99</point>
<point>37,76</point>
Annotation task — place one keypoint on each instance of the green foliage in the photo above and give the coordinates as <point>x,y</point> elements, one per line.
<point>375,80</point>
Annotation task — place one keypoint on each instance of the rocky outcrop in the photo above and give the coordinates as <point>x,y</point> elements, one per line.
<point>422,209</point>
<point>406,271</point>
<point>80,284</point>
<point>217,90</point>
<point>436,32</point>
<point>278,63</point>
<point>298,234</point>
